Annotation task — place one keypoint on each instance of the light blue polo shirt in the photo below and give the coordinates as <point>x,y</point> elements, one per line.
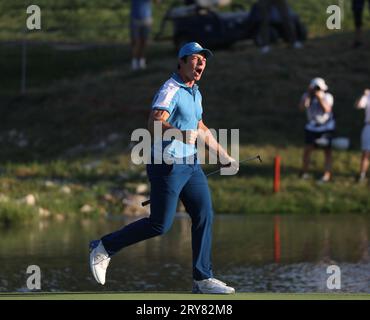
<point>184,104</point>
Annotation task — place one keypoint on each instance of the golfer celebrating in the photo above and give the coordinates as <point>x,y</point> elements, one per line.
<point>178,107</point>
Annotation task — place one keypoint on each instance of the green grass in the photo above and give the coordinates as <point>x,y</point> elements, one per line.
<point>98,20</point>
<point>77,99</point>
<point>182,296</point>
<point>14,212</point>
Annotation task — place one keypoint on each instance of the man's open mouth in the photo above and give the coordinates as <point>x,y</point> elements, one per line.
<point>198,71</point>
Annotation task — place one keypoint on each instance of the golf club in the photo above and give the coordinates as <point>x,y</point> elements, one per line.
<point>144,203</point>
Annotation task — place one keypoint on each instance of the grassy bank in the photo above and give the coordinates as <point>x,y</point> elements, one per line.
<point>67,141</point>
<point>98,20</point>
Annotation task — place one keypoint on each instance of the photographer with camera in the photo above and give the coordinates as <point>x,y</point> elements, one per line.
<point>320,126</point>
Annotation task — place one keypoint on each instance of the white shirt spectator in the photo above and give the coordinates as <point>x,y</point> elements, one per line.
<point>364,103</point>
<point>317,119</point>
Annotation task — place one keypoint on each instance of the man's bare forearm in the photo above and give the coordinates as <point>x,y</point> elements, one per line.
<point>213,145</point>
<point>160,117</point>
<point>165,125</point>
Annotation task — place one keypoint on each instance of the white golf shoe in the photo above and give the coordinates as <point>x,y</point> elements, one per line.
<point>212,286</point>
<point>99,261</point>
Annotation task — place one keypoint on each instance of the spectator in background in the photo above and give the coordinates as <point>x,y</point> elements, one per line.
<point>140,26</point>
<point>358,8</point>
<point>289,29</point>
<point>364,103</point>
<point>318,104</point>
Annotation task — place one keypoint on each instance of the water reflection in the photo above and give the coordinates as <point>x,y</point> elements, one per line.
<point>252,253</point>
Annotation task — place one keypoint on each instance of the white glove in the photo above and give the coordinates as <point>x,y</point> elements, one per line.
<point>231,168</point>
<point>234,164</point>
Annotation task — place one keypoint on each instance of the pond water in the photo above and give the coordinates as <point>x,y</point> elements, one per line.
<point>253,253</point>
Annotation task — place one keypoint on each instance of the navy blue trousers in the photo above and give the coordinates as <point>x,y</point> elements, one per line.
<point>169,183</point>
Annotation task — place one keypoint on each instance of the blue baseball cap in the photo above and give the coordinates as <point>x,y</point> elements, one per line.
<point>192,48</point>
